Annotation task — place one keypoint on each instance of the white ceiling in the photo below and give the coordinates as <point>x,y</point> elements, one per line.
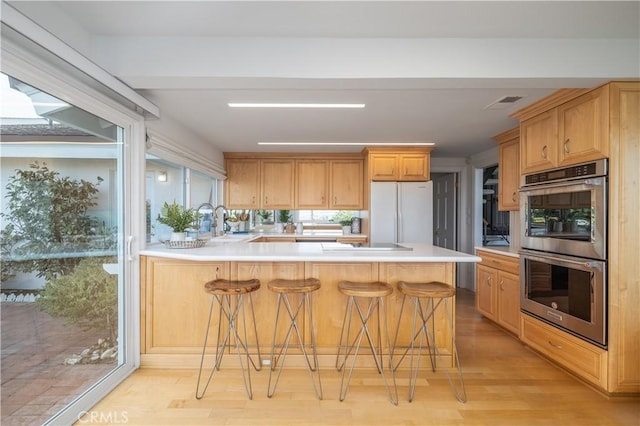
<point>424,69</point>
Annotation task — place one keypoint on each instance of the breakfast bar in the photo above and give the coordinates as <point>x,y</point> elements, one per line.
<point>174,306</point>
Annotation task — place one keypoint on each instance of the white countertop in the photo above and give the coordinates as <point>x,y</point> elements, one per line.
<point>240,249</point>
<point>504,250</point>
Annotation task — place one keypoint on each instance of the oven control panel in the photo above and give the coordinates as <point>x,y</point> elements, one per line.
<point>592,169</point>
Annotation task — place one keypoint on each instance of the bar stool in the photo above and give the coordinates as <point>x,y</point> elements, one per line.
<point>358,293</point>
<point>427,297</point>
<point>285,289</point>
<point>222,291</point>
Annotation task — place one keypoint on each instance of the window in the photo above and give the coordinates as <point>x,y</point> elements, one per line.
<point>169,182</point>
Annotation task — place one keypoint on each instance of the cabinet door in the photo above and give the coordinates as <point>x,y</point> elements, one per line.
<point>277,184</point>
<point>583,128</point>
<point>264,300</point>
<point>347,187</point>
<point>485,291</point>
<point>419,272</point>
<point>509,302</point>
<point>242,184</point>
<point>538,142</point>
<point>384,166</point>
<point>174,301</point>
<point>413,167</point>
<point>509,176</point>
<point>312,184</point>
<point>329,304</point>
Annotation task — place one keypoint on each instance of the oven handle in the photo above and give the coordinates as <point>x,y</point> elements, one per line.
<point>597,181</point>
<point>585,264</point>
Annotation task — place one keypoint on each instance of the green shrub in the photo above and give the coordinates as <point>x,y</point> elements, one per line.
<point>87,297</point>
<point>45,214</point>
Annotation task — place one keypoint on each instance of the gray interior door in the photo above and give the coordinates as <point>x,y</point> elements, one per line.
<point>444,210</point>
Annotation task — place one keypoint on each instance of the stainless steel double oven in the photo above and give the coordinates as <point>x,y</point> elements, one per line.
<point>564,248</point>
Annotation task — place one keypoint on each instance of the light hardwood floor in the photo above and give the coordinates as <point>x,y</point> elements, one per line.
<point>507,384</point>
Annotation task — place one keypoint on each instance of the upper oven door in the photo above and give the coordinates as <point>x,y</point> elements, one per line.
<point>566,218</point>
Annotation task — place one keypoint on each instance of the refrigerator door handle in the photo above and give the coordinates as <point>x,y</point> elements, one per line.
<point>399,231</point>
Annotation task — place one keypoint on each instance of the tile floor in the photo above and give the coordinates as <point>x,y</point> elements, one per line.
<point>35,382</point>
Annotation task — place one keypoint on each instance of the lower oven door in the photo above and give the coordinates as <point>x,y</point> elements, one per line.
<point>565,291</point>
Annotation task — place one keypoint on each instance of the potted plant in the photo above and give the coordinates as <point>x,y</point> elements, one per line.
<point>284,217</point>
<point>177,218</point>
<point>344,218</point>
<point>265,215</point>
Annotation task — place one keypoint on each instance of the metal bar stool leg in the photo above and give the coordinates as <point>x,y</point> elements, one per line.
<point>427,297</point>
<point>461,393</point>
<point>375,305</point>
<point>294,298</point>
<point>221,291</point>
<point>343,345</point>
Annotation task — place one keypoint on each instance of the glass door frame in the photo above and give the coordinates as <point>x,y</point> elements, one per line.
<point>44,75</point>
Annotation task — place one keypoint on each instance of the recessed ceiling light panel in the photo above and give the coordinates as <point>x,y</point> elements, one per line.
<point>350,143</point>
<point>291,105</point>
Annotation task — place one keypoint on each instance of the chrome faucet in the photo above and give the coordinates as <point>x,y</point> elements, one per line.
<point>215,218</point>
<point>209,206</point>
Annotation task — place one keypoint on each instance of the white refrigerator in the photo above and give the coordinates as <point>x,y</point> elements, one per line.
<point>401,212</point>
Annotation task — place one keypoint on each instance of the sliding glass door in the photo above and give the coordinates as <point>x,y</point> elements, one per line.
<point>66,301</point>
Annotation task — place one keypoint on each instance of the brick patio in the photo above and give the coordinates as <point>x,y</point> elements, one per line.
<point>35,382</point>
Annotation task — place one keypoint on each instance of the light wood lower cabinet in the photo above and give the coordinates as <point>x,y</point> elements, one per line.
<point>264,300</point>
<point>420,272</point>
<point>175,308</point>
<point>498,290</point>
<point>587,361</point>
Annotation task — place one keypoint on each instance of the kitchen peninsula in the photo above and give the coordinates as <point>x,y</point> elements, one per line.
<point>174,307</point>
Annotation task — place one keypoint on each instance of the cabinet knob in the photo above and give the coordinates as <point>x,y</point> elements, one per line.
<point>253,199</point>
<point>502,285</point>
<point>322,199</point>
<point>489,281</point>
<point>513,196</point>
<point>544,152</point>
<point>266,200</point>
<point>566,146</point>
<point>335,199</point>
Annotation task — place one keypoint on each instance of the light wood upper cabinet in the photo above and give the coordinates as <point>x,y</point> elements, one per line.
<point>242,186</point>
<point>538,142</point>
<point>399,164</point>
<point>573,132</point>
<point>384,166</point>
<point>413,167</point>
<point>509,169</point>
<point>329,184</point>
<point>583,130</point>
<point>346,183</point>
<point>305,181</point>
<point>277,184</point>
<point>312,184</point>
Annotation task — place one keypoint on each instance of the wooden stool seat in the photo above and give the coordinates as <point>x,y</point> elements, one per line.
<point>365,289</point>
<point>294,286</point>
<point>224,287</point>
<point>434,289</point>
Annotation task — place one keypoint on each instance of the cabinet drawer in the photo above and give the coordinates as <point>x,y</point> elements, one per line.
<point>585,360</point>
<point>504,263</point>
